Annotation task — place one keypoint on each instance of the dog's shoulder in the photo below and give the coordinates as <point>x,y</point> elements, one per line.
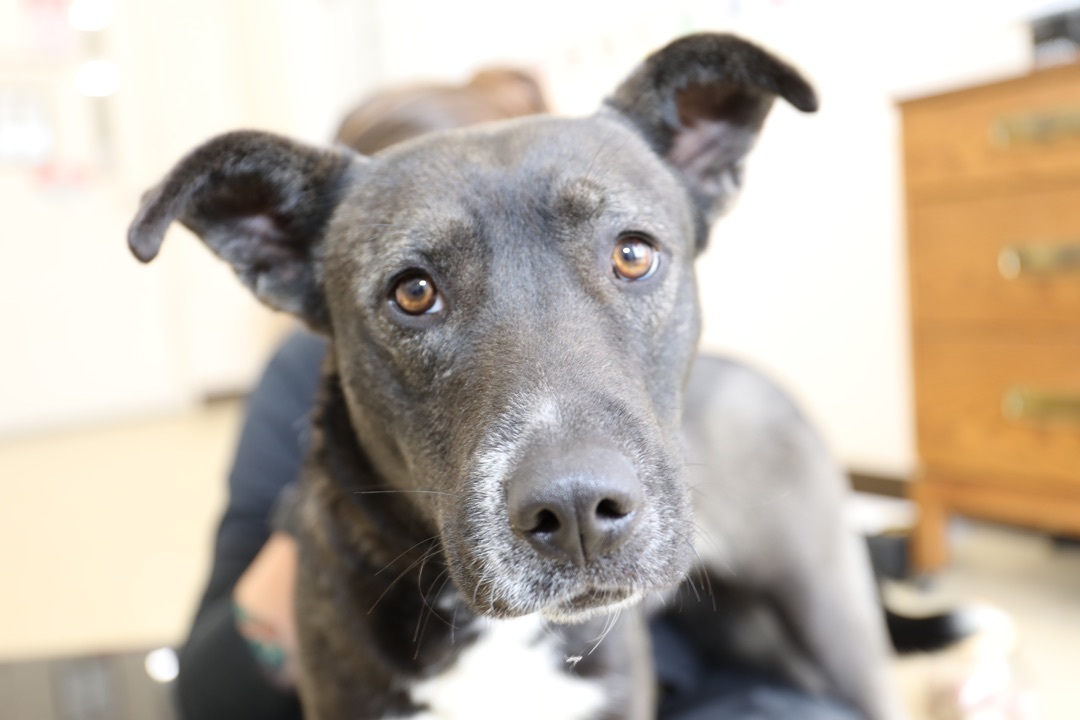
<point>728,396</point>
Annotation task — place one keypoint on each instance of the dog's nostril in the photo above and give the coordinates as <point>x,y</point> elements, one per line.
<point>575,504</point>
<point>609,509</point>
<point>546,522</point>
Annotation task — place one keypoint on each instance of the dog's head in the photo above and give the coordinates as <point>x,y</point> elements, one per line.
<point>513,311</point>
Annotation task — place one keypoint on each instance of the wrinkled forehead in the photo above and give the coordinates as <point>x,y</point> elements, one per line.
<point>532,170</point>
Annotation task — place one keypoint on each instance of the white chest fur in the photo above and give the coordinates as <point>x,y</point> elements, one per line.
<point>513,670</point>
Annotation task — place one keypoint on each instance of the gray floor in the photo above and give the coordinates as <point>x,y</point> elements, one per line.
<point>107,687</point>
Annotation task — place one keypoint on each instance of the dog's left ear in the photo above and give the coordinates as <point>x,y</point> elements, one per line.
<point>700,103</point>
<point>262,203</point>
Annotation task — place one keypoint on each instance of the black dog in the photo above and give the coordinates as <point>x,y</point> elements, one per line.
<point>505,421</point>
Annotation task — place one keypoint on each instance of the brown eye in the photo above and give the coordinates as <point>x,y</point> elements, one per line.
<point>634,258</point>
<point>416,294</point>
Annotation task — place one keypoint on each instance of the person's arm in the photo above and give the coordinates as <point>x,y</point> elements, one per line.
<point>263,601</point>
<point>219,674</point>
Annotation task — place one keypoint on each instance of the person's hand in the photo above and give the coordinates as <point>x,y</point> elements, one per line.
<point>263,603</point>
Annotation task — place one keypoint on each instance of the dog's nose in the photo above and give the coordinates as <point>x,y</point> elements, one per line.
<point>577,504</point>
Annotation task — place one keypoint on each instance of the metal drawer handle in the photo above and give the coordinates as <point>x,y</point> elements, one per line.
<point>1015,261</point>
<point>1035,129</point>
<point>1025,404</point>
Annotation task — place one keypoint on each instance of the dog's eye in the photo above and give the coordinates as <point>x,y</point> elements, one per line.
<point>416,294</point>
<point>634,258</point>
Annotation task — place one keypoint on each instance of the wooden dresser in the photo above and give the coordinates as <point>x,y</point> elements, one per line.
<point>993,215</point>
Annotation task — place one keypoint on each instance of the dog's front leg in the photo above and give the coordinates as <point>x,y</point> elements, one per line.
<point>770,507</point>
<point>826,594</point>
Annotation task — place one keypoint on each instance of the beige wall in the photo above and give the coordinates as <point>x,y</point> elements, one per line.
<point>105,534</point>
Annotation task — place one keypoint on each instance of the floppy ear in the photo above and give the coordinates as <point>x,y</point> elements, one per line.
<point>700,103</point>
<point>261,203</point>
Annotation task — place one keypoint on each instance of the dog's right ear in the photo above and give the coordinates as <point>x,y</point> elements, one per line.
<point>262,203</point>
<point>700,103</point>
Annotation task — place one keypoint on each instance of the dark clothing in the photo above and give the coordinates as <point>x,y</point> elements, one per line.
<point>219,677</point>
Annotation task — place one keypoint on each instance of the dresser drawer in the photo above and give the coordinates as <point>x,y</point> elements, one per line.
<point>1009,262</point>
<point>999,408</point>
<point>1009,132</point>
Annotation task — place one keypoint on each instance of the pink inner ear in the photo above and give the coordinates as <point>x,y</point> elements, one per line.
<point>720,123</point>
<point>710,155</point>
<point>261,226</point>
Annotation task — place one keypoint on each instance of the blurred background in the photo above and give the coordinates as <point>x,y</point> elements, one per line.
<point>121,385</point>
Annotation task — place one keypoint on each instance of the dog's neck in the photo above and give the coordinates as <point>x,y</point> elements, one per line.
<point>338,455</point>
<point>390,568</point>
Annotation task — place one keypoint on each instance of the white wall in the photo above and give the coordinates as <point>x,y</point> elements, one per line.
<point>90,335</point>
<point>805,277</point>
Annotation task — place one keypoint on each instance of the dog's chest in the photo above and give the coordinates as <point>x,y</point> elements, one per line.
<point>514,669</point>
